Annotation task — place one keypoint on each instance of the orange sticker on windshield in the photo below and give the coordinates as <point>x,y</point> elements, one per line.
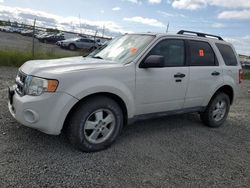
<point>201,53</point>
<point>133,50</point>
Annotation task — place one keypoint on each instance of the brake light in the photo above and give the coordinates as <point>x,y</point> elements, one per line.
<point>240,76</point>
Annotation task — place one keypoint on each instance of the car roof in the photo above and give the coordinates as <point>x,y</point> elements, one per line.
<point>181,36</point>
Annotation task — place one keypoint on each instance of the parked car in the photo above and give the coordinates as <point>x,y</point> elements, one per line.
<point>136,76</point>
<point>51,38</point>
<point>246,64</point>
<point>42,35</point>
<point>27,32</point>
<point>8,29</point>
<point>101,47</point>
<point>79,43</point>
<point>17,30</point>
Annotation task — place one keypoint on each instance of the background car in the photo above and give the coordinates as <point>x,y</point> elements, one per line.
<point>27,32</point>
<point>80,43</point>
<point>51,38</point>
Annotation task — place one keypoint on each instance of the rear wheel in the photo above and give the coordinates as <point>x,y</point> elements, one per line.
<point>72,47</point>
<point>95,124</point>
<point>217,111</point>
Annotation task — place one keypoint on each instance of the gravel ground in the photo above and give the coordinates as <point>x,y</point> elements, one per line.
<point>176,151</point>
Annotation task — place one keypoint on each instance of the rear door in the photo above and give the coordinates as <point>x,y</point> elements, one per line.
<point>205,73</point>
<point>84,43</point>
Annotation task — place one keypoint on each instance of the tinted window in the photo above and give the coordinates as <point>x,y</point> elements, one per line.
<point>201,54</point>
<point>172,50</point>
<point>227,54</point>
<point>84,40</point>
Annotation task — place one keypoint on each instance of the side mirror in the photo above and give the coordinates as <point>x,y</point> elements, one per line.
<point>153,61</point>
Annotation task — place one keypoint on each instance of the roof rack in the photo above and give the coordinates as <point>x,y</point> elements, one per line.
<point>181,32</point>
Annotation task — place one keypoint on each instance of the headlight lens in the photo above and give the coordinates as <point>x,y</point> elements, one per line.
<point>36,86</point>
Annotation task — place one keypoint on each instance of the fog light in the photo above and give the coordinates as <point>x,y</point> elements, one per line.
<point>30,116</point>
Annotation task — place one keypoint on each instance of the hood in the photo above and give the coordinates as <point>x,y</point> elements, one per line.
<point>63,65</point>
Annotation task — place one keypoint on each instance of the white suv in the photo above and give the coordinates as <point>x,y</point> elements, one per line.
<point>136,76</point>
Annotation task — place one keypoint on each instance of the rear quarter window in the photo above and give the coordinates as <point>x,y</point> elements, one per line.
<point>227,54</point>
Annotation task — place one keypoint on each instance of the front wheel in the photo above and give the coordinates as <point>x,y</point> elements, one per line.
<point>92,49</point>
<point>217,110</point>
<point>95,124</point>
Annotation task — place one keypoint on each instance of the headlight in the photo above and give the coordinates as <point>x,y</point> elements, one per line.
<point>36,86</point>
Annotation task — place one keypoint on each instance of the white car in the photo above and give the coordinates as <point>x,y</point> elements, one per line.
<point>79,43</point>
<point>136,76</point>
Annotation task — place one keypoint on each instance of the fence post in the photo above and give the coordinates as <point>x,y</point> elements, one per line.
<point>33,41</point>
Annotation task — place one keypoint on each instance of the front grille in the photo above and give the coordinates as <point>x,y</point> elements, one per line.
<point>20,82</point>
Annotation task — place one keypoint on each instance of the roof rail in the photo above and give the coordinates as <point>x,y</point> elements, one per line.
<point>181,32</point>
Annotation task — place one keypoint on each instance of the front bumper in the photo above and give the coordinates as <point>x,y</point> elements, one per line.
<point>45,113</point>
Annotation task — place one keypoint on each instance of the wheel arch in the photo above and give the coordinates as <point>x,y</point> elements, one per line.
<point>113,96</point>
<point>227,89</point>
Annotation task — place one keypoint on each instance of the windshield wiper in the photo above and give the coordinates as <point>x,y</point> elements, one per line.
<point>97,57</point>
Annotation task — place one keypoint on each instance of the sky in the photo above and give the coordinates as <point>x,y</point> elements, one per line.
<point>227,18</point>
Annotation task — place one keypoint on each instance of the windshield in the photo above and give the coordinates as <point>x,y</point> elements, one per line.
<point>124,49</point>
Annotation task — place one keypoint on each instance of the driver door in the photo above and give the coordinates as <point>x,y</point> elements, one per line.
<point>160,89</point>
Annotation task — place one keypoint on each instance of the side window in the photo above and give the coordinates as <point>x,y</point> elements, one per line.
<point>172,50</point>
<point>84,40</point>
<point>227,54</point>
<point>201,54</point>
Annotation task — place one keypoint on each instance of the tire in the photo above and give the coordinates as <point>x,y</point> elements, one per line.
<point>72,47</point>
<point>95,124</point>
<point>217,111</point>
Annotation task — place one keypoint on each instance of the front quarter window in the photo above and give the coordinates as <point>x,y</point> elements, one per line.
<point>124,49</point>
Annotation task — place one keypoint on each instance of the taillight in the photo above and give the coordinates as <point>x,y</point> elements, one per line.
<point>240,76</point>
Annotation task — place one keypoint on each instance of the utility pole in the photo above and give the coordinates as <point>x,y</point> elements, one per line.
<point>33,41</point>
<point>95,34</point>
<point>167,28</point>
<point>103,30</point>
<point>80,23</point>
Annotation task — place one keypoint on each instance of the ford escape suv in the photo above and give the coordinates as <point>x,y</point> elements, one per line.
<point>136,76</point>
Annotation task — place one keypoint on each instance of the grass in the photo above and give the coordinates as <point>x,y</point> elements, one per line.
<point>17,58</point>
<point>246,74</point>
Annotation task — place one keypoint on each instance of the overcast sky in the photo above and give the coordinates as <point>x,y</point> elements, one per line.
<point>228,18</point>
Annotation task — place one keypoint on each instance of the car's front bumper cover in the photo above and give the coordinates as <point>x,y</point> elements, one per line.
<point>45,113</point>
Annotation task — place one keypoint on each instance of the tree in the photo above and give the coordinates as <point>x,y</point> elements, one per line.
<point>52,30</point>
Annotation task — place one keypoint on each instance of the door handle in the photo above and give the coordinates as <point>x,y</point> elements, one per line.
<point>179,75</point>
<point>215,73</point>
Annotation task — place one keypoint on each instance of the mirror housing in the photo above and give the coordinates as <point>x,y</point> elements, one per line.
<point>153,61</point>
